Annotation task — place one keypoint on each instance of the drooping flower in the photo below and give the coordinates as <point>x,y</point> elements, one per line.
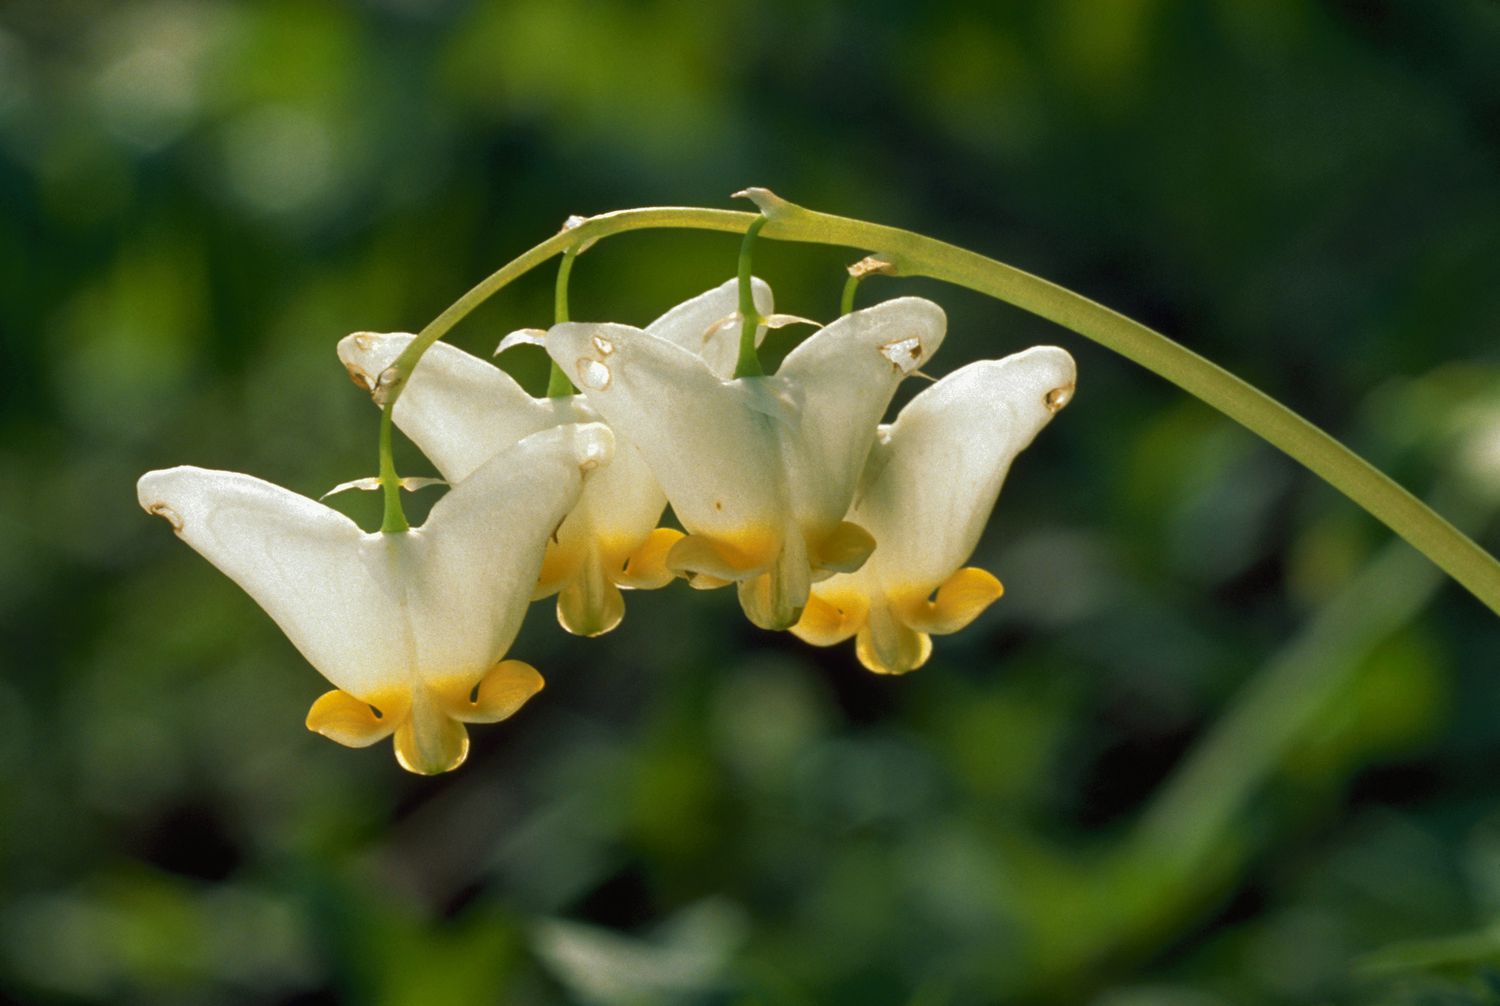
<point>460,410</point>
<point>927,492</point>
<point>410,627</point>
<point>760,470</point>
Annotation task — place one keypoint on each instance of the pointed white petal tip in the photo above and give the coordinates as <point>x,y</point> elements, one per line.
<point>166,513</point>
<point>783,320</point>
<point>522,337</point>
<point>154,488</point>
<point>1050,369</point>
<point>365,355</point>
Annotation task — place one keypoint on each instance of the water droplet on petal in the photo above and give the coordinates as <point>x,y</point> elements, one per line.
<point>1058,397</point>
<point>603,345</point>
<point>904,353</point>
<point>593,375</point>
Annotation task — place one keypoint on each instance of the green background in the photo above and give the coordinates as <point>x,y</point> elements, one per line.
<point>1223,741</point>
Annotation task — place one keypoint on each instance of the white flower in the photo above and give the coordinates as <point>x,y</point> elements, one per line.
<point>410,627</point>
<point>926,495</point>
<point>460,410</point>
<point>760,470</point>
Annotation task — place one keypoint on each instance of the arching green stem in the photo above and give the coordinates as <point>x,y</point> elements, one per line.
<point>912,254</point>
<point>558,384</point>
<point>748,365</point>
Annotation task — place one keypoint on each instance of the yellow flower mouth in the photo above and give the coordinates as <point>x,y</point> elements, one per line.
<point>588,577</point>
<point>426,720</point>
<point>893,630</point>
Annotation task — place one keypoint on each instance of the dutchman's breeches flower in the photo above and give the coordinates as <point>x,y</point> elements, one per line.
<point>928,489</point>
<point>760,470</point>
<point>461,410</point>
<point>410,627</point>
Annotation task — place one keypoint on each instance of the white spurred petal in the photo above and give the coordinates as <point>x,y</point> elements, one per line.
<point>480,550</point>
<point>710,442</point>
<point>463,408</point>
<point>409,623</point>
<point>760,470</point>
<point>460,410</point>
<point>697,325</point>
<point>936,476</point>
<point>844,376</point>
<point>925,494</point>
<point>310,567</point>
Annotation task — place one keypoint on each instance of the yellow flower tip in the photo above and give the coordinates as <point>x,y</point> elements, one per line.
<point>767,607</point>
<point>430,737</point>
<point>646,568</point>
<point>431,745</point>
<point>891,648</point>
<point>590,605</point>
<point>844,550</point>
<point>827,621</point>
<point>958,601</point>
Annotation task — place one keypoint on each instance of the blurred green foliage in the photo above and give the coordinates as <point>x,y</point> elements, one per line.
<point>1222,741</point>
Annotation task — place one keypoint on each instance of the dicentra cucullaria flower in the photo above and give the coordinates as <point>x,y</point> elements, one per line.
<point>410,627</point>
<point>928,489</point>
<point>760,470</point>
<point>460,410</point>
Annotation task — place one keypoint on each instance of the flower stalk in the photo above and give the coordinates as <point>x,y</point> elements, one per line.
<point>749,361</point>
<point>912,254</point>
<point>394,520</point>
<point>558,383</point>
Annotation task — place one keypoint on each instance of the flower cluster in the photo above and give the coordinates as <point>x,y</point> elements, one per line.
<point>828,523</point>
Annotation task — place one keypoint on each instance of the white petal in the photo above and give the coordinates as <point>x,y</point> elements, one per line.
<point>694,324</point>
<point>304,563</point>
<point>460,410</point>
<point>712,444</point>
<point>932,485</point>
<point>844,376</point>
<point>481,548</point>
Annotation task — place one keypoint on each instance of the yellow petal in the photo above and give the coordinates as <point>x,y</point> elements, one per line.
<point>498,695</point>
<point>349,721</point>
<point>960,600</point>
<point>590,605</point>
<point>559,566</point>
<point>885,646</point>
<point>505,689</point>
<point>646,569</point>
<point>845,550</point>
<point>827,621</point>
<point>740,558</point>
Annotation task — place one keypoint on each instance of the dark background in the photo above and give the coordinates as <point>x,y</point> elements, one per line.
<point>1222,742</point>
